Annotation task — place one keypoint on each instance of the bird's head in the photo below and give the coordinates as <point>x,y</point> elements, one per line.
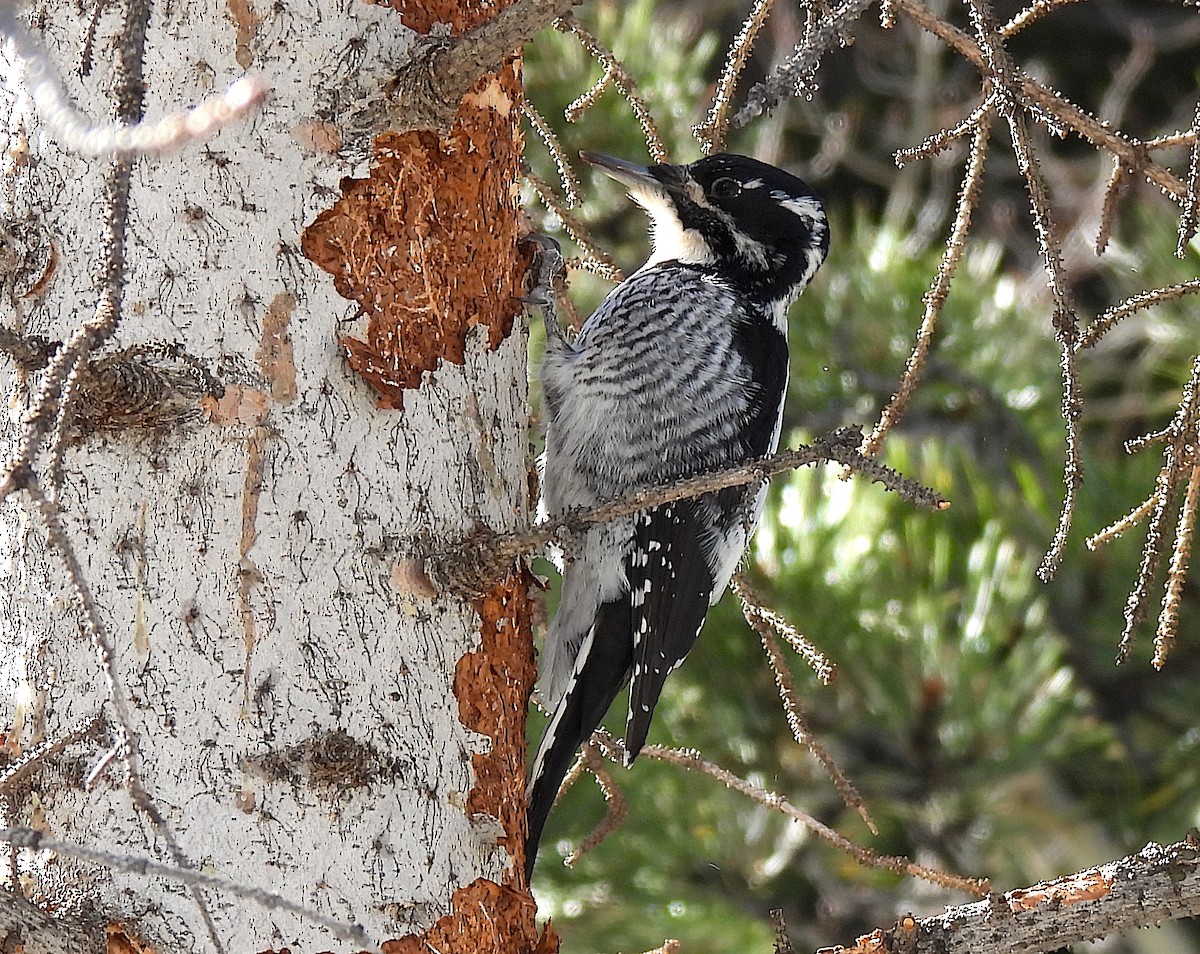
<point>757,227</point>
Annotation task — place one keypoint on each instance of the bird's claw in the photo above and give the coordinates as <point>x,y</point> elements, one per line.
<point>547,274</point>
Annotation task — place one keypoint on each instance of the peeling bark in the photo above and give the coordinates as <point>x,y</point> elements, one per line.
<point>427,244</point>
<point>427,247</point>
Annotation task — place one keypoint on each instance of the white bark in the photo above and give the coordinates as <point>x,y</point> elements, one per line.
<point>244,570</point>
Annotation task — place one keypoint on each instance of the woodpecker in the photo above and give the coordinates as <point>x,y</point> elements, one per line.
<point>680,371</point>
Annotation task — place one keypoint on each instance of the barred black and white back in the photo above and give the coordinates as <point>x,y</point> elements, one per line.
<point>680,371</point>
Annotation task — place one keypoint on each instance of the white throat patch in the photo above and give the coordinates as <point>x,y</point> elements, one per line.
<point>671,241</point>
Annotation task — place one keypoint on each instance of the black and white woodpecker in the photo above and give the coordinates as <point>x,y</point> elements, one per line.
<point>680,371</point>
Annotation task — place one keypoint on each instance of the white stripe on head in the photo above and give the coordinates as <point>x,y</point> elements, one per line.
<point>804,206</point>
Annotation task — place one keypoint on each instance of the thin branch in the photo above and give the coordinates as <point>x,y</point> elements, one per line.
<point>1104,323</point>
<point>1171,140</point>
<point>693,761</point>
<point>935,298</point>
<point>1181,552</point>
<point>598,259</point>
<point>617,807</point>
<point>33,840</point>
<point>1142,441</point>
<point>943,139</point>
<point>1114,188</point>
<point>1135,604</point>
<point>798,71</point>
<point>783,944</point>
<point>587,99</point>
<point>1176,454</point>
<point>1031,14</point>
<point>1066,323</point>
<point>757,616</point>
<point>756,611</point>
<point>1187,217</point>
<point>1120,527</point>
<point>570,182</point>
<point>615,71</point>
<point>711,133</point>
<point>1036,96</point>
<point>472,565</point>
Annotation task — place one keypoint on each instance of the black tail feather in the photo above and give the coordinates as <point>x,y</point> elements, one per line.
<point>594,686</point>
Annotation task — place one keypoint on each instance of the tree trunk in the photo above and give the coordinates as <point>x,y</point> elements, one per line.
<point>307,717</point>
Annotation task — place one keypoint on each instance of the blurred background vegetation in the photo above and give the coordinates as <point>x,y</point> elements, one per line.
<point>978,711</point>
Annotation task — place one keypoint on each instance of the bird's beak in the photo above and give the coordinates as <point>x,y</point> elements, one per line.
<point>627,173</point>
<point>654,188</point>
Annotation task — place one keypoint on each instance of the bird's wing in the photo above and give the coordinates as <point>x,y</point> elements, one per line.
<point>670,589</point>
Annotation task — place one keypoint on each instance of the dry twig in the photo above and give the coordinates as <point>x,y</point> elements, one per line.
<point>1181,552</point>
<point>783,944</point>
<point>711,133</point>
<point>1116,186</point>
<point>1191,202</point>
<point>472,565</point>
<point>615,73</point>
<point>693,761</point>
<point>617,807</point>
<point>1180,464</point>
<point>1001,71</point>
<point>935,298</point>
<point>797,73</point>
<point>596,259</point>
<point>757,612</point>
<point>566,174</point>
<point>1135,303</point>
<point>1034,96</point>
<point>764,622</point>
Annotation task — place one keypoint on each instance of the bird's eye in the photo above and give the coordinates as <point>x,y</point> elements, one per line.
<point>725,188</point>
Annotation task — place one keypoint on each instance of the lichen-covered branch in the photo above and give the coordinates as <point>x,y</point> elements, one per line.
<point>1156,884</point>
